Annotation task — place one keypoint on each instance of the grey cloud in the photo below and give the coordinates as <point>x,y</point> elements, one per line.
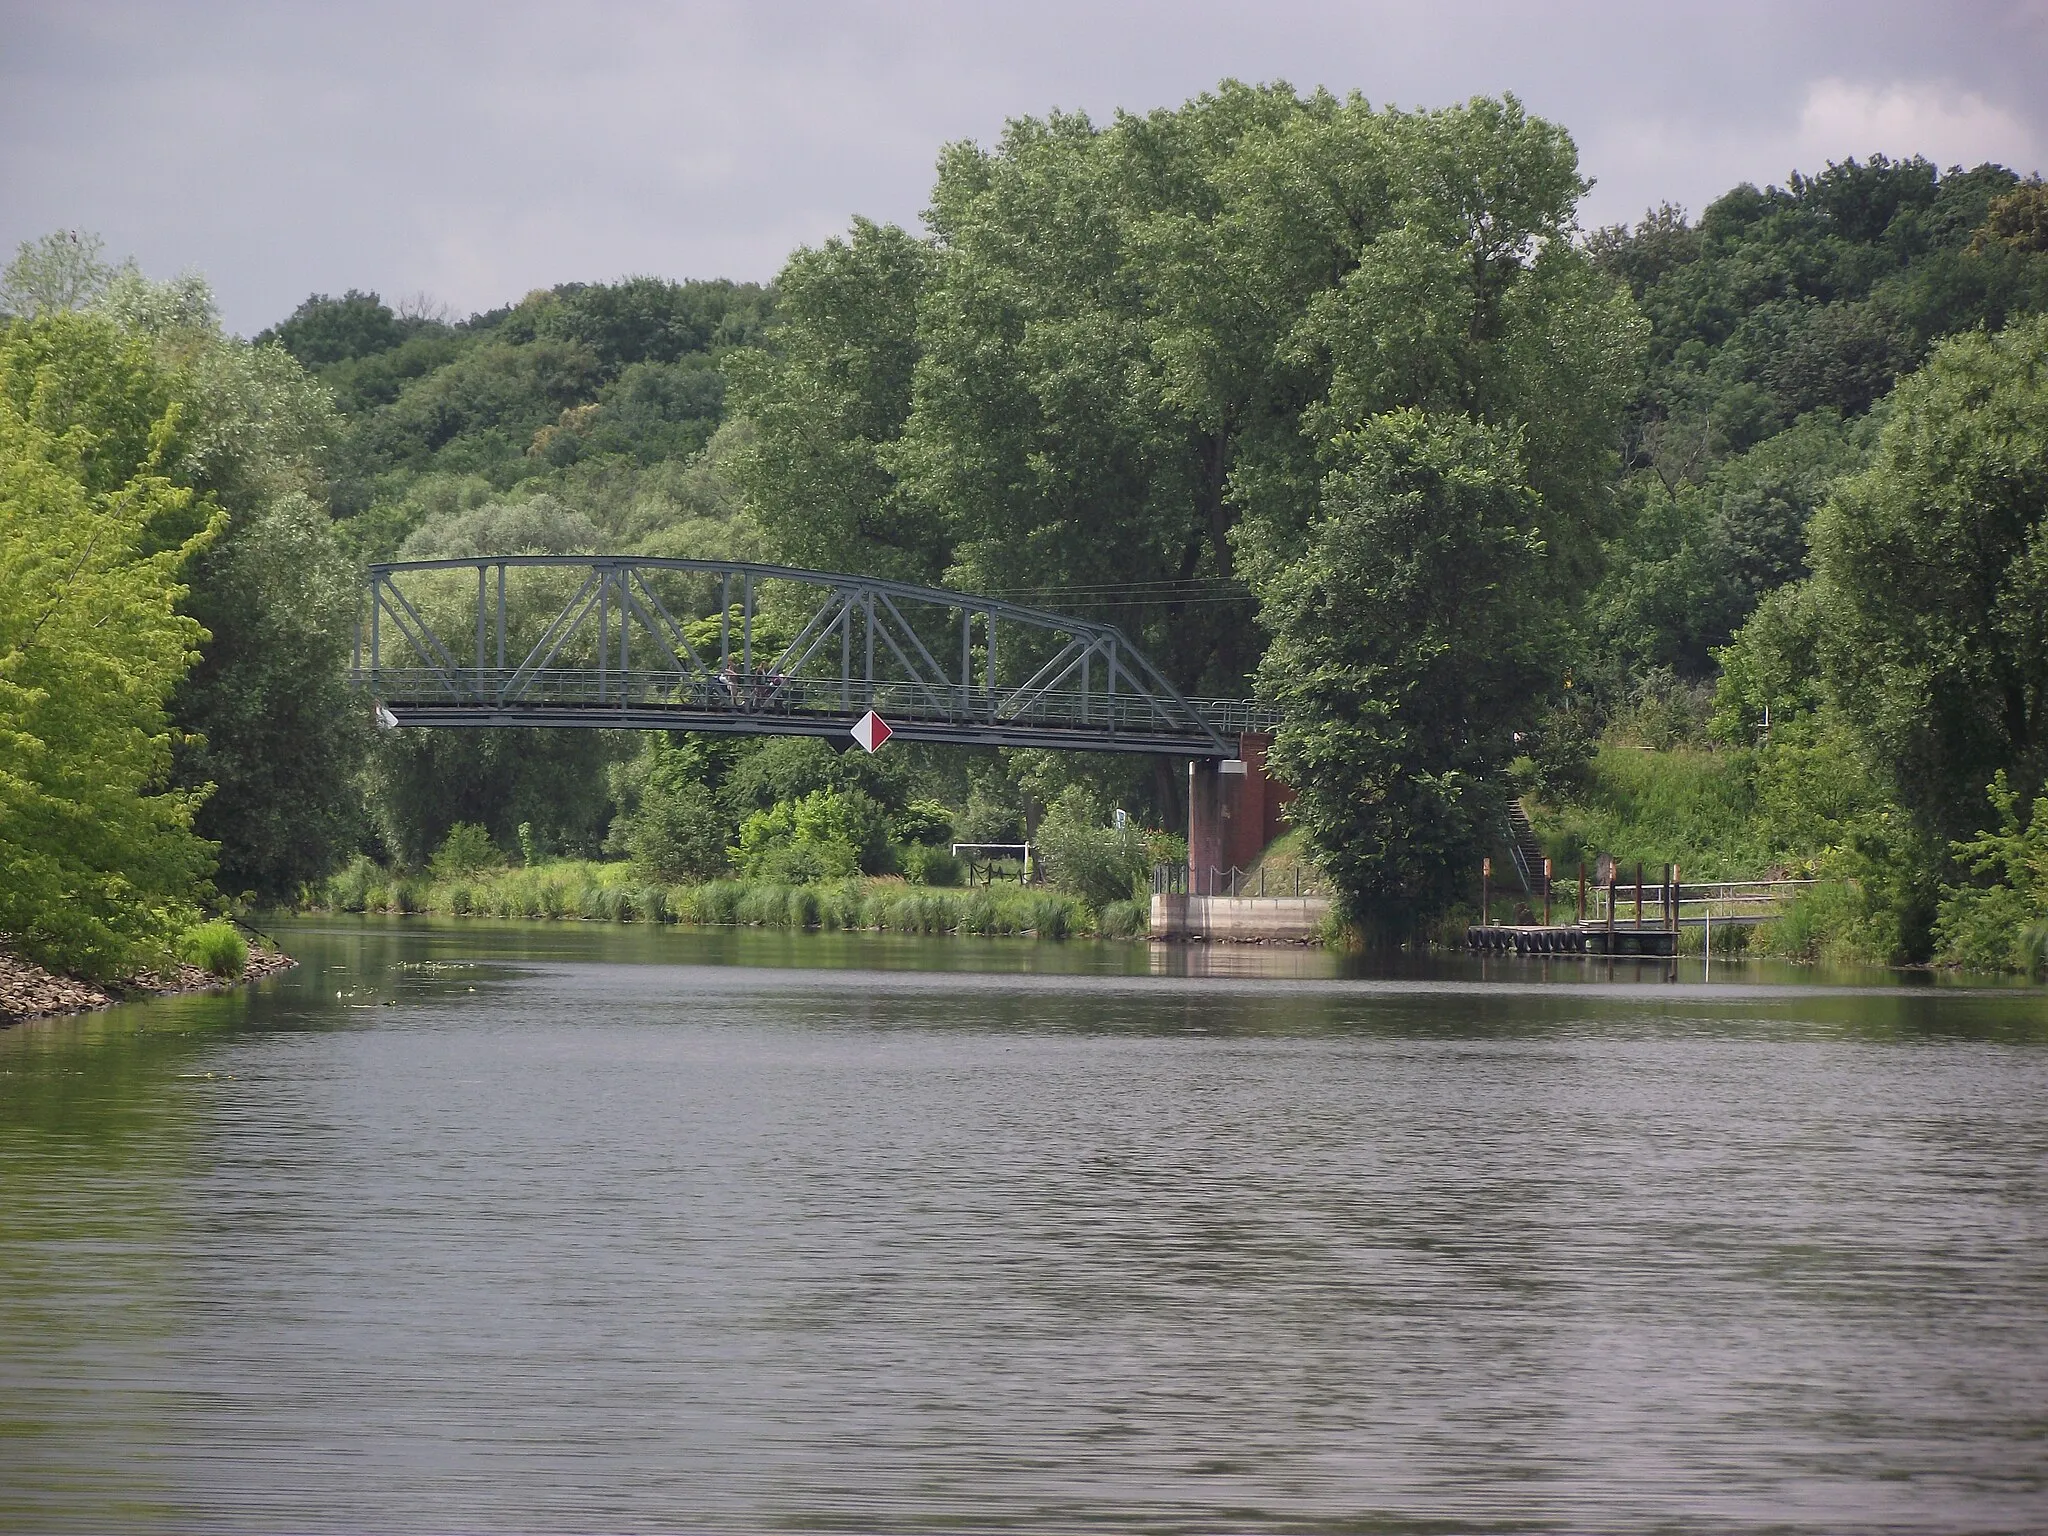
<point>476,151</point>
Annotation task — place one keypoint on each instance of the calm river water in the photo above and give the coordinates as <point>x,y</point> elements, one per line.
<point>489,1227</point>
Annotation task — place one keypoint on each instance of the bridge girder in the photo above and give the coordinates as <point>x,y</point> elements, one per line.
<point>620,641</point>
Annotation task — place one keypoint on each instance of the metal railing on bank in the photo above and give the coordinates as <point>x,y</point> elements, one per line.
<point>1213,880</point>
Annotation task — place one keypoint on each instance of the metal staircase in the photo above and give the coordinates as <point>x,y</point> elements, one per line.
<point>1527,851</point>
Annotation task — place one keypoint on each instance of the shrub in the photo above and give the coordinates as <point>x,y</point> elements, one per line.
<point>2000,927</point>
<point>466,850</point>
<point>1082,854</point>
<point>350,889</point>
<point>1125,920</point>
<point>928,866</point>
<point>1831,923</point>
<point>924,822</point>
<point>677,832</point>
<point>800,842</point>
<point>216,949</point>
<point>461,900</point>
<point>1986,930</point>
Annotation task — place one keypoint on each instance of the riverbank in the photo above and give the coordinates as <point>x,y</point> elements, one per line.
<point>615,892</point>
<point>27,991</point>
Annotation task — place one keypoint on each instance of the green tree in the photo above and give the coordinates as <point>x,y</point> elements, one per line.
<point>1932,568</point>
<point>265,717</point>
<point>423,782</point>
<point>324,330</point>
<point>466,850</point>
<point>62,271</point>
<point>1131,342</point>
<point>99,866</point>
<point>669,822</point>
<point>828,399</point>
<point>1396,730</point>
<point>1702,554</point>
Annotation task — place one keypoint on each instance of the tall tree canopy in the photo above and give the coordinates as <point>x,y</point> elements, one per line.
<point>1130,341</point>
<point>99,865</point>
<point>1136,367</point>
<point>1932,570</point>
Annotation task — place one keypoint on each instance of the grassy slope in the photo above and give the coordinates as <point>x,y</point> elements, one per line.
<point>1683,805</point>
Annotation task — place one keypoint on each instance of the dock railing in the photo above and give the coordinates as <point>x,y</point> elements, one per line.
<point>1606,896</point>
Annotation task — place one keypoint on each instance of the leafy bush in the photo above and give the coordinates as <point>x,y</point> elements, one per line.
<point>1835,924</point>
<point>924,822</point>
<point>928,866</point>
<point>466,850</point>
<point>1083,854</point>
<point>349,891</point>
<point>216,949</point>
<point>675,830</point>
<point>2000,926</point>
<point>801,842</point>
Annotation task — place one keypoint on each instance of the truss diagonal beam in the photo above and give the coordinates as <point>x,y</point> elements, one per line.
<point>582,667</point>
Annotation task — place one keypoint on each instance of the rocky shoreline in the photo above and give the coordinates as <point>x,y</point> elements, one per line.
<point>27,991</point>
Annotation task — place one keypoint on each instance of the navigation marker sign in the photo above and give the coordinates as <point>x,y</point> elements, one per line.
<point>870,731</point>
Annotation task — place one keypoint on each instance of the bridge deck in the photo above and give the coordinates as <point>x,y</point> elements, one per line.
<point>614,641</point>
<point>664,702</point>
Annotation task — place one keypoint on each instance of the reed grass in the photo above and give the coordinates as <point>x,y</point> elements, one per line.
<point>593,891</point>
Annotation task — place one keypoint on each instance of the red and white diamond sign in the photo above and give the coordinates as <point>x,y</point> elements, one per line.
<point>871,730</point>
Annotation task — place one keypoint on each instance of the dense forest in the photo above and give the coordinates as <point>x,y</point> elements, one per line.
<point>1722,540</point>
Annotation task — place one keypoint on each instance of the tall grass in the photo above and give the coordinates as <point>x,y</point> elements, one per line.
<point>215,948</point>
<point>1687,805</point>
<point>592,891</point>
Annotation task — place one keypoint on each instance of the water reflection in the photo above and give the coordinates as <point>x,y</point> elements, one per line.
<point>496,1227</point>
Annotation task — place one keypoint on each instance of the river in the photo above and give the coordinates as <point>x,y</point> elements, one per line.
<point>496,1227</point>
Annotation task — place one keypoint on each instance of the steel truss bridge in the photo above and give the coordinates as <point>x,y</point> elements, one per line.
<point>702,645</point>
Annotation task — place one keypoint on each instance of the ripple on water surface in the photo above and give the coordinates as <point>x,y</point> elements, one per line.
<point>489,1228</point>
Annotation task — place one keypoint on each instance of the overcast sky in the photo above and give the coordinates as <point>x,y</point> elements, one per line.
<point>475,151</point>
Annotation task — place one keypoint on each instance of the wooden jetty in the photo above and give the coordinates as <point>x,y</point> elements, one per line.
<point>1572,939</point>
<point>1604,925</point>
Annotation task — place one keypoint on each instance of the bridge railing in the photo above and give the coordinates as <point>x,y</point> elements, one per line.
<point>766,694</point>
<point>568,640</point>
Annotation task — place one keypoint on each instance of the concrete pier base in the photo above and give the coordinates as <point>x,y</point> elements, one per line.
<point>1238,919</point>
